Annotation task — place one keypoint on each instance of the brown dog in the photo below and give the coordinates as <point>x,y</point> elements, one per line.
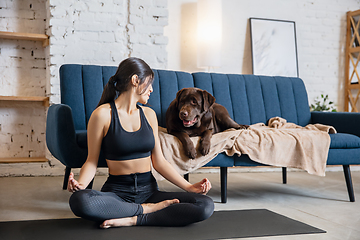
<point>194,113</point>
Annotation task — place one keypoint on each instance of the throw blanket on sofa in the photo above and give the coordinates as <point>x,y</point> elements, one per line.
<point>279,144</point>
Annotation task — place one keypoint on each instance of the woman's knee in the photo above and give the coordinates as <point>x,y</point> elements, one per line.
<point>207,207</point>
<point>80,203</point>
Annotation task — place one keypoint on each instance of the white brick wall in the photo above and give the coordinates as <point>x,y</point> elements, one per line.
<point>147,20</point>
<point>121,29</point>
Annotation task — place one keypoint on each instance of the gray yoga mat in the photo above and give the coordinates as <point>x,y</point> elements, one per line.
<point>221,225</point>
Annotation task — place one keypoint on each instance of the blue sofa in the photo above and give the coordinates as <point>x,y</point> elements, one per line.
<point>249,99</point>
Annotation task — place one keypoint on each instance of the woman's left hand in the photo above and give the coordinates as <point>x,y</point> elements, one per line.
<point>202,187</point>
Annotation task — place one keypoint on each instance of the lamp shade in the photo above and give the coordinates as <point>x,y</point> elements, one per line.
<point>209,33</point>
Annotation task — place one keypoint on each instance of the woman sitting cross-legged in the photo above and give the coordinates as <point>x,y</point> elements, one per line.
<point>127,134</point>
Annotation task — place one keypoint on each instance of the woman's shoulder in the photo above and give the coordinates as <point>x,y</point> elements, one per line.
<point>148,110</point>
<point>103,108</point>
<point>102,112</point>
<point>149,113</point>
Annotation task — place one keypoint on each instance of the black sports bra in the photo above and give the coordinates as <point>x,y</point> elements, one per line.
<point>120,145</point>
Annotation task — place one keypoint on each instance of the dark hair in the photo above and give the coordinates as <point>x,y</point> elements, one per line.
<point>120,82</point>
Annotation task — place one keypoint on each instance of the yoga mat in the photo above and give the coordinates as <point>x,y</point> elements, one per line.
<point>222,224</point>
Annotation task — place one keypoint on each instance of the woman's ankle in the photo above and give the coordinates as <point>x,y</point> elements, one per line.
<point>153,207</point>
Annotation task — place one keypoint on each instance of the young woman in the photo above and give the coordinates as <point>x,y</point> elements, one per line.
<point>128,136</point>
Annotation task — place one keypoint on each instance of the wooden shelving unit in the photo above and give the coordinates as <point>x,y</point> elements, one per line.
<point>352,52</point>
<point>44,100</point>
<point>25,36</point>
<point>23,160</point>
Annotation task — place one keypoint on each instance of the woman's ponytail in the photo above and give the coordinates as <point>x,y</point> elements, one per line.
<point>109,92</point>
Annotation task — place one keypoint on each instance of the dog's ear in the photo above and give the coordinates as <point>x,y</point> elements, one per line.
<point>178,94</point>
<point>208,100</point>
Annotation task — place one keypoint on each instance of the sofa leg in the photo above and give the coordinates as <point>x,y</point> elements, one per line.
<point>66,177</point>
<point>284,178</point>
<point>349,185</point>
<point>186,176</point>
<point>223,179</point>
<point>90,184</point>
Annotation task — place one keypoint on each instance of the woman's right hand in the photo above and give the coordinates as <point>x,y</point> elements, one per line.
<point>73,185</point>
<point>202,187</point>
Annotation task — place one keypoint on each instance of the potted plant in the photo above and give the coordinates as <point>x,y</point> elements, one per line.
<point>323,104</point>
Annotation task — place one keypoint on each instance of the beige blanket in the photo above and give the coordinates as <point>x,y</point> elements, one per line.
<point>279,144</point>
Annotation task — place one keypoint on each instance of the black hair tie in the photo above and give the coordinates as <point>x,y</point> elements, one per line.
<point>112,81</point>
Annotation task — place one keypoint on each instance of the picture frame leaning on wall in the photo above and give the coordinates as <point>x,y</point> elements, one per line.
<point>273,47</point>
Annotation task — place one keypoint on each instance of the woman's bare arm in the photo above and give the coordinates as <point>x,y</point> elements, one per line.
<point>95,133</point>
<point>165,168</point>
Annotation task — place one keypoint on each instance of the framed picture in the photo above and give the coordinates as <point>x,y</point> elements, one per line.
<point>273,47</point>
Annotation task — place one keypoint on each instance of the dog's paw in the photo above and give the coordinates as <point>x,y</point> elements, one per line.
<point>243,126</point>
<point>191,152</point>
<point>204,148</point>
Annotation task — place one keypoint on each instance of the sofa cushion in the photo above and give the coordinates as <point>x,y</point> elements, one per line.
<point>221,160</point>
<point>245,161</point>
<point>344,141</point>
<point>343,156</point>
<point>81,138</point>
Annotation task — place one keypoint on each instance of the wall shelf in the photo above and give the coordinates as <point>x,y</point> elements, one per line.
<point>352,59</point>
<point>44,100</point>
<point>25,36</point>
<point>23,160</point>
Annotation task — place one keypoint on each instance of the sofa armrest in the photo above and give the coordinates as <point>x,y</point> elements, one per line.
<point>61,137</point>
<point>344,122</point>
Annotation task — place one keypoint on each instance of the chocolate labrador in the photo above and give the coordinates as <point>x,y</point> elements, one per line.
<point>194,113</point>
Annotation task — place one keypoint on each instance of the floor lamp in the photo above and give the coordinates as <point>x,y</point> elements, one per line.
<point>209,33</point>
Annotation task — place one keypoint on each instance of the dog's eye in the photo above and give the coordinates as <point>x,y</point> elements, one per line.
<point>193,101</point>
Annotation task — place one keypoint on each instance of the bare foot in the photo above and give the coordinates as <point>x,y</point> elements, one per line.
<point>119,222</point>
<point>153,207</point>
<point>131,221</point>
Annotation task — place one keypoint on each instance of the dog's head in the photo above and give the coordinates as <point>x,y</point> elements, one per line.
<point>192,104</point>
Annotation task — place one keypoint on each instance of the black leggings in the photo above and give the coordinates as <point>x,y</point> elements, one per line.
<point>122,196</point>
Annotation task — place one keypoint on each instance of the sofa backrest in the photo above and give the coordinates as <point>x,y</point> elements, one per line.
<point>81,87</point>
<point>248,98</point>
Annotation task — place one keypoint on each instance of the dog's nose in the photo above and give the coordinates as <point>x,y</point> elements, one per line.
<point>184,114</point>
